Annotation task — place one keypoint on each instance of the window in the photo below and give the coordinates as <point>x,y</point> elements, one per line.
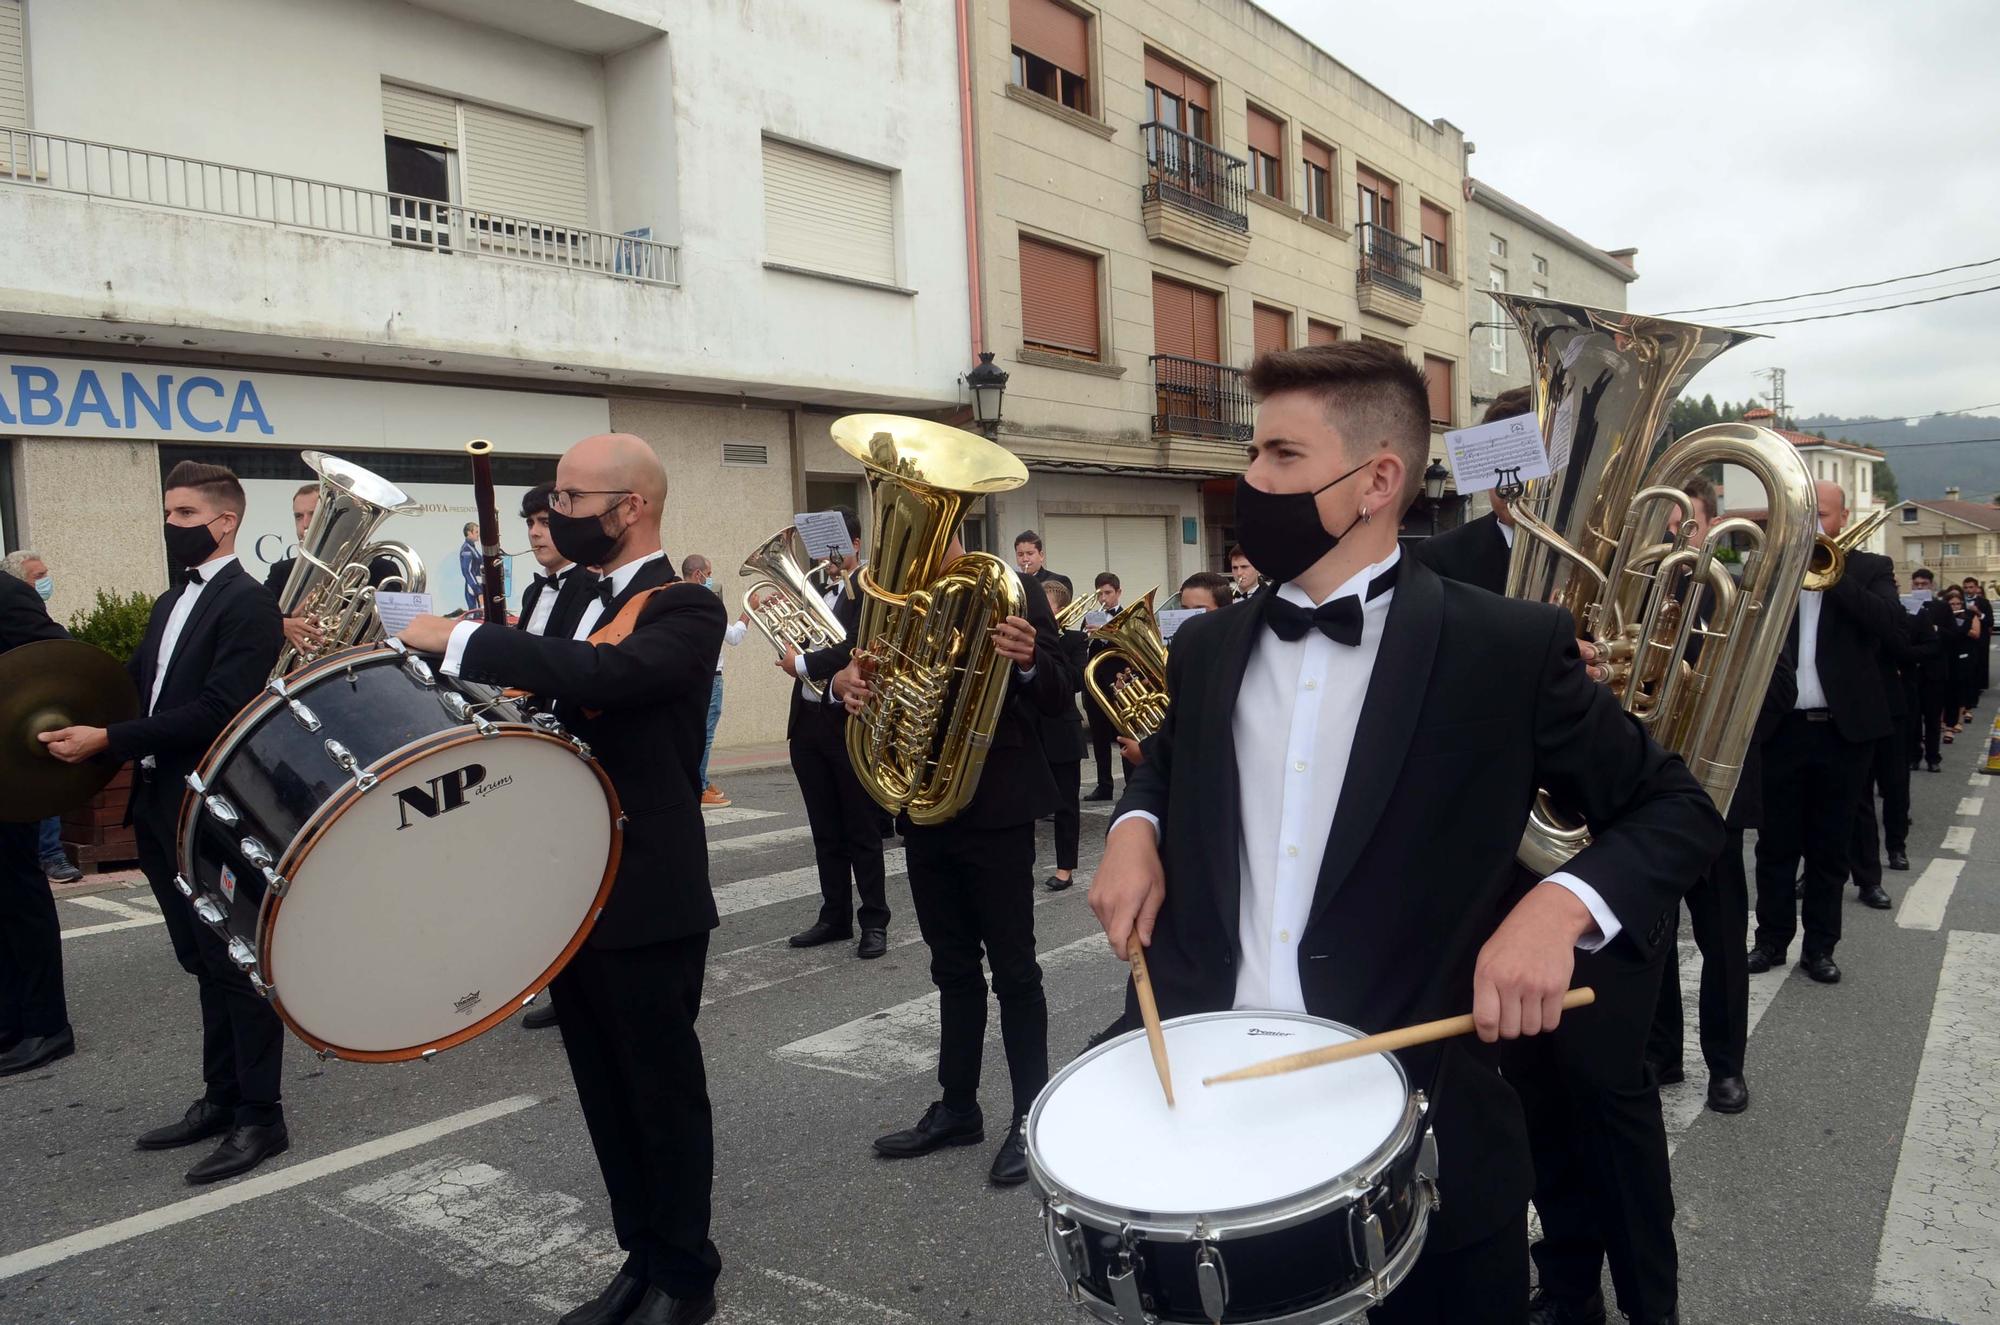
<point>1059,300</point>
<point>1178,99</point>
<point>1948,550</point>
<point>1541,265</point>
<point>1437,373</point>
<point>1321,333</point>
<point>1909,514</point>
<point>828,214</point>
<point>13,68</point>
<point>1052,52</point>
<point>522,180</point>
<point>1374,199</point>
<point>1267,154</point>
<point>1915,552</point>
<point>1496,246</point>
<point>1437,237</point>
<point>1861,476</point>
<point>1318,196</point>
<point>1271,328</point>
<point>1497,323</point>
<point>1186,321</point>
<point>1539,291</point>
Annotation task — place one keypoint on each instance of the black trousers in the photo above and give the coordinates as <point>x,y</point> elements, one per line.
<point>1889,776</point>
<point>1101,734</point>
<point>974,891</point>
<point>1812,779</point>
<point>846,824</point>
<point>627,1018</point>
<point>1481,1283</point>
<point>242,1040</point>
<point>1602,1186</point>
<point>1931,718</point>
<point>1719,911</point>
<point>31,980</point>
<point>1069,813</point>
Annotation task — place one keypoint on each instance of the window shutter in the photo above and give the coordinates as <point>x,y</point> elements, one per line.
<point>1321,333</point>
<point>1207,329</point>
<point>1059,35</point>
<point>1058,297</point>
<point>1173,318</point>
<point>1374,183</point>
<point>1172,78</point>
<point>525,167</point>
<point>1266,134</point>
<point>13,68</point>
<point>421,117</point>
<point>1437,374</point>
<point>1271,328</point>
<point>828,214</point>
<point>1318,154</point>
<point>1437,224</point>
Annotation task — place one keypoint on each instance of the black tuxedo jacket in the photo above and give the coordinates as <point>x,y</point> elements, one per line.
<point>1062,734</point>
<point>24,618</point>
<point>821,667</point>
<point>577,586</point>
<point>1475,553</point>
<point>1858,618</point>
<point>224,656</point>
<point>650,696</point>
<point>1474,702</point>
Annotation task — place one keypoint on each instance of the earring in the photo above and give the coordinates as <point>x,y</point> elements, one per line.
<point>1364,515</point>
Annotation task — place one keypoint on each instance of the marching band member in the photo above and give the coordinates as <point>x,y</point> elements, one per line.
<point>632,678</point>
<point>1260,874</point>
<point>1063,742</point>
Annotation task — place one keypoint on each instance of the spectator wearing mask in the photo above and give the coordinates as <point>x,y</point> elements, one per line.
<point>31,569</point>
<point>697,569</point>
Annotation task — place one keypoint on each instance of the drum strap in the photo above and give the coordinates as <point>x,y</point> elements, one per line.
<point>615,630</point>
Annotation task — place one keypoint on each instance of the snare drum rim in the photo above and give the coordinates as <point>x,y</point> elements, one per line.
<point>1243,1221</point>
<point>350,795</point>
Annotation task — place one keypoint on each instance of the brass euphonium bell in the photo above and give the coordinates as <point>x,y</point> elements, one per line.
<point>782,603</point>
<point>1136,701</point>
<point>329,586</point>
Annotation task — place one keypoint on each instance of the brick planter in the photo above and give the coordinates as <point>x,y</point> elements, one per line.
<point>96,833</point>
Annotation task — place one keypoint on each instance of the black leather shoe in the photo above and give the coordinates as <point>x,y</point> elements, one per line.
<point>1898,861</point>
<point>33,1051</point>
<point>874,942</point>
<point>1875,896</point>
<point>244,1148</point>
<point>1762,960</point>
<point>656,1308</point>
<point>1056,883</point>
<point>1915,764</point>
<point>611,1306</point>
<point>1010,1164</point>
<point>201,1121</point>
<point>1669,1074</point>
<point>938,1127</point>
<point>821,932</point>
<point>1545,1308</point>
<point>1728,1094</point>
<point>1101,794</point>
<point>1821,969</point>
<point>1933,765</point>
<point>540,1017</point>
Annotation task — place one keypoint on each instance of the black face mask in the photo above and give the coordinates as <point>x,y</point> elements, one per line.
<point>188,545</point>
<point>581,538</point>
<point>1281,532</point>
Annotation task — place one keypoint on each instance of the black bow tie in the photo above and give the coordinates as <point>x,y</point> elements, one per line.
<point>549,581</point>
<point>604,591</point>
<point>1339,620</point>
<point>192,576</point>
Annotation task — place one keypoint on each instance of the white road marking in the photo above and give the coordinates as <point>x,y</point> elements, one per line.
<point>137,922</point>
<point>1957,838</point>
<point>1971,805</point>
<point>1924,904</point>
<point>1978,780</point>
<point>806,1300</point>
<point>776,837</point>
<point>250,1189</point>
<point>784,886</point>
<point>736,814</point>
<point>1681,1105</point>
<point>106,904</point>
<point>1941,1235</point>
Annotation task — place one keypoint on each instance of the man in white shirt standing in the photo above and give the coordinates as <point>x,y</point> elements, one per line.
<point>1327,821</point>
<point>697,569</point>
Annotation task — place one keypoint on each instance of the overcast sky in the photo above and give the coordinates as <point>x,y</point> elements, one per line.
<point>1747,149</point>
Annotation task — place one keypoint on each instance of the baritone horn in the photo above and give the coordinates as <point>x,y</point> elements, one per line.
<point>1135,700</point>
<point>782,603</point>
<point>926,625</point>
<point>1606,536</point>
<point>330,585</point>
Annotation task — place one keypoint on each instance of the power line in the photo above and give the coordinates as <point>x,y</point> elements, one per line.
<point>1857,312</point>
<point>1838,289</point>
<point>1910,418</point>
<point>1917,446</point>
<point>1955,283</point>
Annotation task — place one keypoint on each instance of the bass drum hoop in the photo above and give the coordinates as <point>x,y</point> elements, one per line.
<point>1246,1221</point>
<point>350,795</point>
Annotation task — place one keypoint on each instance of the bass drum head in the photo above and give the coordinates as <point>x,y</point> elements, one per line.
<point>426,909</point>
<point>1103,1136</point>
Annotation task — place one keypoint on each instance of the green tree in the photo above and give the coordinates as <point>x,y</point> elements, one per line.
<point>1885,484</point>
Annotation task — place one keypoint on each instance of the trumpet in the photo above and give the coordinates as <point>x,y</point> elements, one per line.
<point>782,603</point>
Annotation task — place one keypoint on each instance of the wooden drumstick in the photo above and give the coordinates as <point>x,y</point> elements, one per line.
<point>1386,1042</point>
<point>1149,1012</point>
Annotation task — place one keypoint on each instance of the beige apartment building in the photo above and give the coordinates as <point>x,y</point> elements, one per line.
<point>1950,537</point>
<point>1167,188</point>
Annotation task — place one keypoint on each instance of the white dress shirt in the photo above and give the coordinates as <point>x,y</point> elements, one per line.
<point>170,636</point>
<point>545,602</point>
<point>454,649</point>
<point>1296,713</point>
<point>1812,695</point>
<point>832,599</point>
<point>1506,533</point>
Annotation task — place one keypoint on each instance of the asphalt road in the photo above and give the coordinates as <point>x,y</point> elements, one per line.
<point>1860,1187</point>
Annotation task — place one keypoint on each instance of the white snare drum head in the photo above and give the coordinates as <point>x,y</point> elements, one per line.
<point>1105,1134</point>
<point>441,895</point>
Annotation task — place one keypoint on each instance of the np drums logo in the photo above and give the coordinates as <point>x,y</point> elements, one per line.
<point>441,795</point>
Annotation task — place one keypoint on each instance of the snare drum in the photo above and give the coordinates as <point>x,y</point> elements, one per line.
<point>397,859</point>
<point>1300,1199</point>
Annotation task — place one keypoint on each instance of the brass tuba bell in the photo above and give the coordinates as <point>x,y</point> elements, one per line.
<point>1135,701</point>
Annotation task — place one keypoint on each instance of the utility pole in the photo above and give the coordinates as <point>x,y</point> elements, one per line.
<point>1776,395</point>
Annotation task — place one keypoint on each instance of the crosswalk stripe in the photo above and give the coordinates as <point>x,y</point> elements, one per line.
<point>116,908</point>
<point>1681,1105</point>
<point>1971,805</point>
<point>1924,905</point>
<point>784,886</point>
<point>1941,1235</point>
<point>735,814</point>
<point>1958,838</point>
<point>775,837</point>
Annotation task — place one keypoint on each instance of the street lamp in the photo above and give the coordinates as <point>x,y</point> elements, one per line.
<point>988,385</point>
<point>1434,479</point>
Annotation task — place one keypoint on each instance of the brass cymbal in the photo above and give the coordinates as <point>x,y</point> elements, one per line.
<point>45,686</point>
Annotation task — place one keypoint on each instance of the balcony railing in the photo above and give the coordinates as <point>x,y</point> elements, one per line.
<point>1390,260</point>
<point>1194,398</point>
<point>153,179</point>
<point>1196,175</point>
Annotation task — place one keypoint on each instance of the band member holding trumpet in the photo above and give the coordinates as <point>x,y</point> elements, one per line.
<point>1378,735</point>
<point>210,646</point>
<point>632,678</point>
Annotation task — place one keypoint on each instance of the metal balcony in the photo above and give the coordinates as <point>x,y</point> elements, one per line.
<point>1387,259</point>
<point>1195,398</point>
<point>1199,176</point>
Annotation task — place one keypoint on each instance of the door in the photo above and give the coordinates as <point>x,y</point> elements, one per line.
<point>1132,547</point>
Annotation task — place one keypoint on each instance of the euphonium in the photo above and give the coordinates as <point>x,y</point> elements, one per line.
<point>1606,536</point>
<point>329,585</point>
<point>926,627</point>
<point>1136,701</point>
<point>782,603</point>
<point>1829,555</point>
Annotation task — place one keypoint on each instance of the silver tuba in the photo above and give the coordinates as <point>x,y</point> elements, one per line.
<point>329,586</point>
<point>782,602</point>
<point>1606,536</point>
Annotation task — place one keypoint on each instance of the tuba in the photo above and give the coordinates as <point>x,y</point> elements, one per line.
<point>1606,536</point>
<point>1136,702</point>
<point>329,587</point>
<point>782,603</point>
<point>926,626</point>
